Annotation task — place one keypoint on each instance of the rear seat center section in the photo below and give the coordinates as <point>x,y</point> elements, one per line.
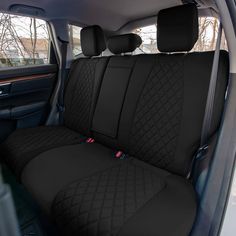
<point>111,98</point>
<point>150,107</point>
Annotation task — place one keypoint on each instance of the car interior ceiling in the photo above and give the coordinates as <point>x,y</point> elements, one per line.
<point>113,142</point>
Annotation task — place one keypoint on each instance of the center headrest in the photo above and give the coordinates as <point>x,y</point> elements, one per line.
<point>124,43</point>
<point>177,28</point>
<point>92,40</point>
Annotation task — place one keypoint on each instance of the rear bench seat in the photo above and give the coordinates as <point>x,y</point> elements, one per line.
<point>80,97</point>
<point>147,126</point>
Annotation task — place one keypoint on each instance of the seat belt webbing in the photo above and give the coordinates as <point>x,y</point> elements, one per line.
<point>62,77</point>
<point>207,121</point>
<point>211,92</point>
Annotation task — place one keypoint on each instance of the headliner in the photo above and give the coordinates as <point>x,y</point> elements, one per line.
<point>110,14</point>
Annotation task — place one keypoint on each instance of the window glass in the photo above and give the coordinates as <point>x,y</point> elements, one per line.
<point>74,34</point>
<point>208,32</point>
<point>23,41</point>
<point>148,35</point>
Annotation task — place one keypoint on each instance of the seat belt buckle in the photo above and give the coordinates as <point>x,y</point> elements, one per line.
<point>120,155</point>
<point>90,140</point>
<point>202,151</point>
<point>199,155</point>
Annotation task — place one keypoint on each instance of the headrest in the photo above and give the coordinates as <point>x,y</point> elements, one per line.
<point>177,28</point>
<point>124,43</point>
<point>92,40</point>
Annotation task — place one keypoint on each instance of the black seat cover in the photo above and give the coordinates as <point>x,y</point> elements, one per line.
<point>164,108</point>
<point>64,164</point>
<point>161,125</point>
<point>124,43</point>
<point>80,96</point>
<point>184,28</point>
<point>130,198</point>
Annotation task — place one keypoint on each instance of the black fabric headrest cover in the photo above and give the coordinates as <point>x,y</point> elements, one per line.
<point>124,43</point>
<point>177,28</point>
<point>92,41</point>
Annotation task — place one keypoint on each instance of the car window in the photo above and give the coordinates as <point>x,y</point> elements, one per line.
<point>74,34</point>
<point>148,35</point>
<point>23,41</point>
<point>208,29</point>
<point>208,33</point>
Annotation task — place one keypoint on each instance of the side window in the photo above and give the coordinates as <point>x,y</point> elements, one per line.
<point>23,41</point>
<point>149,37</point>
<point>74,34</point>
<point>208,32</point>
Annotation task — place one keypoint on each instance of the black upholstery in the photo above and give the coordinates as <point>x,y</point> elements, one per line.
<point>129,198</point>
<point>96,189</point>
<point>114,86</point>
<point>90,164</point>
<point>80,97</point>
<point>164,107</point>
<point>24,144</point>
<point>124,43</point>
<point>61,166</point>
<point>92,41</point>
<point>177,28</point>
<point>150,108</point>
<point>82,92</point>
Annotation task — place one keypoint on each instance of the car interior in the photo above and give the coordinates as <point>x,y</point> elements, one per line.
<point>121,121</point>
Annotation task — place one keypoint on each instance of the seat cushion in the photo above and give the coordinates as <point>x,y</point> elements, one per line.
<point>24,144</point>
<point>51,171</point>
<point>89,192</point>
<point>131,198</point>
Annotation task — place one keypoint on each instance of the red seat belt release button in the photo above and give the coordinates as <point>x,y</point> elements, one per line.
<point>118,154</point>
<point>90,140</point>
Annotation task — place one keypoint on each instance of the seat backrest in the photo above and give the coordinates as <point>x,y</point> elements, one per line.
<point>84,81</point>
<point>165,103</point>
<point>164,108</point>
<point>152,106</point>
<point>114,87</point>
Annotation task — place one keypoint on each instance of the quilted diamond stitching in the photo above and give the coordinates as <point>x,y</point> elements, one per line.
<point>157,120</point>
<point>102,203</point>
<point>25,144</point>
<point>79,99</point>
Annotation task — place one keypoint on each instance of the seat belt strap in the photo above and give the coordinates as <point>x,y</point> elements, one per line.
<point>211,92</point>
<point>207,121</point>
<point>62,77</point>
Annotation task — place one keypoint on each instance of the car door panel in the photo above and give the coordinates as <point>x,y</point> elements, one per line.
<point>25,94</point>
